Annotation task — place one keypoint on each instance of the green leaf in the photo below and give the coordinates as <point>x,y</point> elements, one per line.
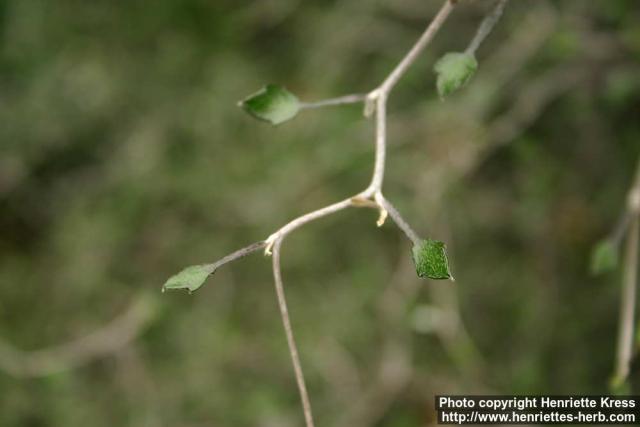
<point>604,257</point>
<point>191,278</point>
<point>619,386</point>
<point>272,103</point>
<point>454,70</point>
<point>430,258</point>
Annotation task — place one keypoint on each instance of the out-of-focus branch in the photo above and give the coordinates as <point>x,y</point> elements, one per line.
<point>102,342</point>
<point>510,57</point>
<point>532,100</point>
<point>627,305</point>
<point>624,353</point>
<point>395,366</point>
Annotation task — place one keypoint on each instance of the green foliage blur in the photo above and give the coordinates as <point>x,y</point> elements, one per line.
<point>124,158</point>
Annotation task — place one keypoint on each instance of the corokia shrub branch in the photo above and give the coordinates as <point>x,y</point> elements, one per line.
<point>276,105</point>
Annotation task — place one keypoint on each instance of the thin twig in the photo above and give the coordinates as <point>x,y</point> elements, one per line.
<point>238,254</point>
<point>381,142</point>
<point>382,92</point>
<point>291,342</point>
<point>347,99</point>
<point>311,216</point>
<point>486,26</point>
<point>422,42</point>
<point>398,219</point>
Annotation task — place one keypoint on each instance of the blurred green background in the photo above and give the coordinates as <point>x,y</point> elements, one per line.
<point>124,158</point>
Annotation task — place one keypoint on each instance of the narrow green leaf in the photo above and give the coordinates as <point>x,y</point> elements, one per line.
<point>454,70</point>
<point>272,103</point>
<point>430,258</point>
<point>604,257</point>
<point>191,278</point>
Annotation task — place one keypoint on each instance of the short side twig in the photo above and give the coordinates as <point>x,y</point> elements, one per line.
<point>347,99</point>
<point>239,254</point>
<point>486,26</point>
<point>398,219</point>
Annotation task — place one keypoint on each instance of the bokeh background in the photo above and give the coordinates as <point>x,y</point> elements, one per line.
<point>124,158</point>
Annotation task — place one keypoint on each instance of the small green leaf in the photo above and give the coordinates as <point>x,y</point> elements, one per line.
<point>619,386</point>
<point>191,278</point>
<point>454,70</point>
<point>604,257</point>
<point>272,103</point>
<point>430,258</point>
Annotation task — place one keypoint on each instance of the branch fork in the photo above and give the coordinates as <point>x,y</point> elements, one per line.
<point>375,105</point>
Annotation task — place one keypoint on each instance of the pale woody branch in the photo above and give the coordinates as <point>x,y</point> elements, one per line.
<point>371,196</point>
<point>291,342</point>
<point>631,225</point>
